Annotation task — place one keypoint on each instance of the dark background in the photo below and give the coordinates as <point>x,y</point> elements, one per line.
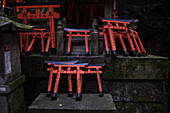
<point>153,25</point>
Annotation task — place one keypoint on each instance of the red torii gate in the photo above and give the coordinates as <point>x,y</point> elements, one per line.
<point>77,33</point>
<point>51,68</point>
<point>118,28</point>
<point>51,15</point>
<point>69,67</point>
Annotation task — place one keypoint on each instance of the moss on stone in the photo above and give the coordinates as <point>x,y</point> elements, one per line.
<point>5,21</point>
<point>121,68</point>
<point>140,108</point>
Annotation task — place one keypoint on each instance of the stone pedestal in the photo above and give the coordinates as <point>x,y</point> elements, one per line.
<point>11,80</point>
<point>11,97</point>
<point>91,103</point>
<point>94,39</point>
<point>60,39</point>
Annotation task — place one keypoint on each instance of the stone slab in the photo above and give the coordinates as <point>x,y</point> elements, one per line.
<point>12,97</point>
<point>90,103</point>
<point>13,102</point>
<point>4,89</point>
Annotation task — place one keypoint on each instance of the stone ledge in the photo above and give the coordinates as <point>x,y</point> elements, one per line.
<point>90,103</point>
<point>101,56</point>
<point>4,89</point>
<point>149,68</point>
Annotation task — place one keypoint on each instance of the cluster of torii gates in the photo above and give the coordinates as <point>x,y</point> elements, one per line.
<point>113,29</point>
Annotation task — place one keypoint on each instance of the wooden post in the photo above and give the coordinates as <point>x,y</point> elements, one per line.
<point>94,38</point>
<point>108,8</point>
<point>60,39</point>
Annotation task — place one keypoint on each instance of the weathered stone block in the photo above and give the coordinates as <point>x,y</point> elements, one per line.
<point>15,54</point>
<point>60,39</point>
<point>135,91</point>
<point>149,67</point>
<point>122,91</point>
<point>3,104</point>
<point>9,39</point>
<point>94,43</point>
<point>12,98</point>
<point>16,101</point>
<point>78,46</point>
<point>140,108</point>
<point>90,103</point>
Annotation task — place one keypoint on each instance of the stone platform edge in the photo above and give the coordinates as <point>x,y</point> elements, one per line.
<point>64,103</point>
<point>149,67</point>
<point>5,89</point>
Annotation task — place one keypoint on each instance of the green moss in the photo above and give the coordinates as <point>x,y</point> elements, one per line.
<point>22,25</point>
<point>6,19</point>
<point>145,69</point>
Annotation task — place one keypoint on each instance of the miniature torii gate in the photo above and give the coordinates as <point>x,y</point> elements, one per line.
<point>51,68</point>
<point>113,24</point>
<point>51,15</point>
<point>77,33</point>
<point>71,68</point>
<point>118,28</point>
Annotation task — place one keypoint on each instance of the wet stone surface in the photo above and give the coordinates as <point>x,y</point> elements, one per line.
<point>90,103</point>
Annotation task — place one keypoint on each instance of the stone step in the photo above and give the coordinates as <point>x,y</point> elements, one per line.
<point>78,47</point>
<point>91,103</point>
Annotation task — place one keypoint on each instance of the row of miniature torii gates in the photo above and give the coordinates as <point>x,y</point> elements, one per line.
<point>113,29</point>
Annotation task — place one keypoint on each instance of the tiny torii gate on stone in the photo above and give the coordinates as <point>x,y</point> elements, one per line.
<point>77,33</point>
<point>40,32</point>
<point>70,67</point>
<point>118,28</point>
